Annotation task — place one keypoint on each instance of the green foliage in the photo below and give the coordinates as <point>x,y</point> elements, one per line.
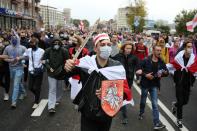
<point>138,10</point>
<point>86,23</point>
<point>163,28</point>
<point>76,22</point>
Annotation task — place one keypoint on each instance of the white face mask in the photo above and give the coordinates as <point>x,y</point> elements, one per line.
<point>189,50</point>
<point>105,52</point>
<point>56,47</point>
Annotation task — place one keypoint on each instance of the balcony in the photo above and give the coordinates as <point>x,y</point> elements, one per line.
<point>37,1</point>
<point>37,8</point>
<point>15,1</point>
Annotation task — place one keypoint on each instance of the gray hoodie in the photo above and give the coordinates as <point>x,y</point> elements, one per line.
<point>14,51</point>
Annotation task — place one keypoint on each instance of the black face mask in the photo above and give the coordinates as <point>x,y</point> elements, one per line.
<point>34,47</point>
<point>74,44</point>
<point>72,33</point>
<point>22,38</point>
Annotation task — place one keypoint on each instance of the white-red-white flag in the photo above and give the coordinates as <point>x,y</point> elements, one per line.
<point>192,24</point>
<point>81,26</point>
<point>195,21</point>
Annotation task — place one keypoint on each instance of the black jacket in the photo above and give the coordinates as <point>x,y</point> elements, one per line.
<point>89,103</point>
<point>147,67</point>
<point>130,63</point>
<point>4,66</point>
<point>183,80</point>
<point>55,59</point>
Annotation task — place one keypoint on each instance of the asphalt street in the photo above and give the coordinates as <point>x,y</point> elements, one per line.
<point>67,118</point>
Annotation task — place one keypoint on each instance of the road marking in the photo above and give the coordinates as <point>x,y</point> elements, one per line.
<point>38,111</point>
<point>162,118</point>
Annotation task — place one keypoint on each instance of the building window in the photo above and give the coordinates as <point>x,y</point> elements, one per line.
<point>1,22</point>
<point>7,23</point>
<point>14,7</point>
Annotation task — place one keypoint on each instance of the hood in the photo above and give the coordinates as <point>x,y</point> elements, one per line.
<point>17,39</point>
<point>56,39</point>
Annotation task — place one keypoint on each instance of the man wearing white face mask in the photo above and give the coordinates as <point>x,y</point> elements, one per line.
<point>53,59</point>
<point>184,67</point>
<point>93,70</point>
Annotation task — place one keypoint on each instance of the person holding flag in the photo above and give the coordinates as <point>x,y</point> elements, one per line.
<point>81,26</point>
<point>184,67</point>
<point>96,115</point>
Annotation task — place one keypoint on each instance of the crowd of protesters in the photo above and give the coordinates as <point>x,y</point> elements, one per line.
<point>25,56</point>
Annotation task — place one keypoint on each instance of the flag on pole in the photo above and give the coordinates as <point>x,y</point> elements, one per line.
<point>81,26</point>
<point>195,21</point>
<point>192,24</point>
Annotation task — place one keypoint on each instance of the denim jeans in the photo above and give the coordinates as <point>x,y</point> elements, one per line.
<point>16,75</point>
<point>153,95</point>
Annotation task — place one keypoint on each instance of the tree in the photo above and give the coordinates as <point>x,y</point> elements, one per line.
<point>164,29</point>
<point>182,18</point>
<point>76,22</point>
<point>138,10</point>
<point>86,23</point>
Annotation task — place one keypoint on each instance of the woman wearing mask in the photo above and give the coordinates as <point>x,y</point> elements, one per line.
<point>184,67</point>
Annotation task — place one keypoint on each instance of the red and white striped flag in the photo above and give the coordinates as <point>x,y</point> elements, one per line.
<point>81,26</point>
<point>192,24</point>
<point>195,21</point>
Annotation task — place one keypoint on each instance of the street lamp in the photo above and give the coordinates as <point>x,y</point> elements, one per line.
<point>48,16</point>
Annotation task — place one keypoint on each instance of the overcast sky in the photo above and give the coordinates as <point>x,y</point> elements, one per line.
<point>107,9</point>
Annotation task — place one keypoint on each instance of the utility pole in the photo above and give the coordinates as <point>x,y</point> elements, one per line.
<point>48,16</point>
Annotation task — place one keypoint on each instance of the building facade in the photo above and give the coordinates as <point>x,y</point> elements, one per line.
<point>67,15</point>
<point>121,19</point>
<point>19,13</point>
<point>52,18</point>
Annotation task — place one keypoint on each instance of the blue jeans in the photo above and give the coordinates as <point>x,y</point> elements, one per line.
<point>16,75</point>
<point>153,95</point>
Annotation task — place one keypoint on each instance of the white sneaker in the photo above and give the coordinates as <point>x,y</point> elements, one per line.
<point>13,105</point>
<point>6,97</point>
<point>76,107</point>
<point>22,96</point>
<point>35,106</point>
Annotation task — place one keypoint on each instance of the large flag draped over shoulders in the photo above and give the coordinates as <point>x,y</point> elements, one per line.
<point>116,72</point>
<point>178,63</point>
